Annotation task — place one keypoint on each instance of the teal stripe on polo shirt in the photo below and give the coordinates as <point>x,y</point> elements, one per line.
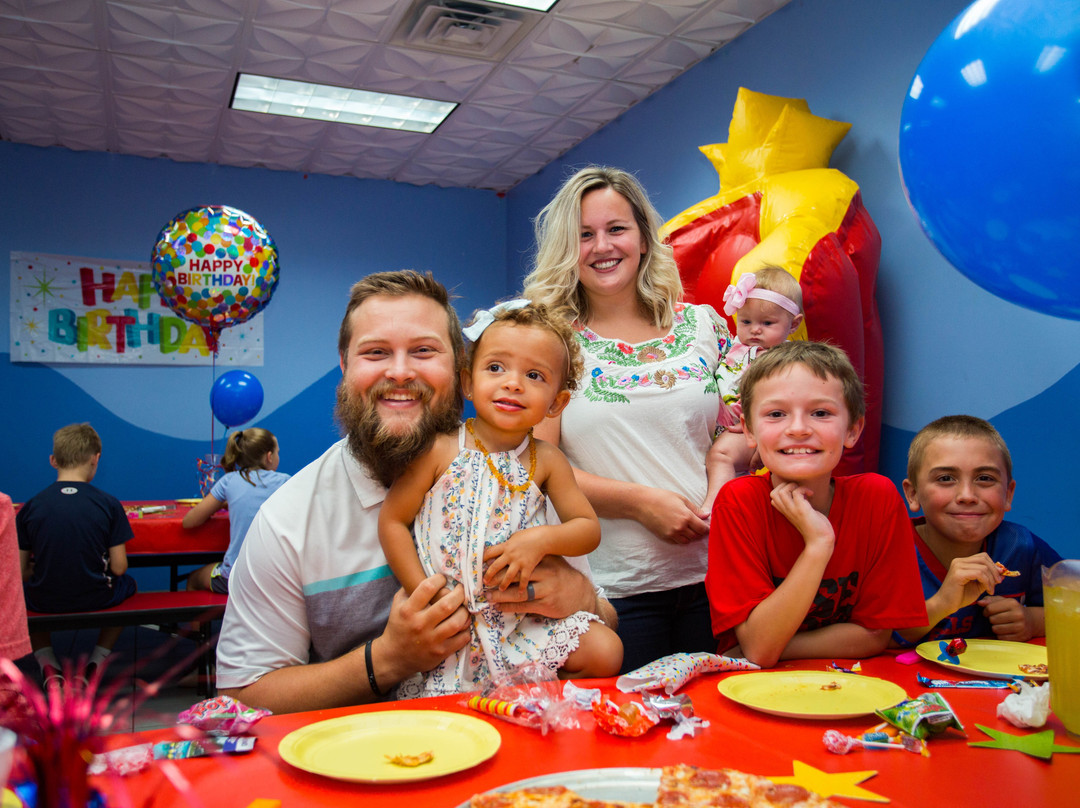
<point>346,581</point>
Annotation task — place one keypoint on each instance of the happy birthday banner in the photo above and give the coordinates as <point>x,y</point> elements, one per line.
<point>90,310</point>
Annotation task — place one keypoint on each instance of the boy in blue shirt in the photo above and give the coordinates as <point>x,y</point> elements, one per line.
<point>981,575</point>
<point>71,545</point>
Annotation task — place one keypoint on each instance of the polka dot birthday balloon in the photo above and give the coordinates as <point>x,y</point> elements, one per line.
<point>215,266</point>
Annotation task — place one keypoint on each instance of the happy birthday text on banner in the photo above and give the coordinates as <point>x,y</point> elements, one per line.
<point>89,310</point>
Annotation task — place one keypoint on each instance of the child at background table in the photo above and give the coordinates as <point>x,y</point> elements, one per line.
<point>251,460</point>
<point>801,563</point>
<point>960,475</point>
<point>768,307</point>
<point>478,501</point>
<point>71,546</point>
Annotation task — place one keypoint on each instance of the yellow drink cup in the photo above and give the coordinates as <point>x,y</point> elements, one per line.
<point>1061,598</point>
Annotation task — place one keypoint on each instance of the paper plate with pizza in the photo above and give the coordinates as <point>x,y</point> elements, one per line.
<point>645,788</point>
<point>993,659</point>
<point>393,746</point>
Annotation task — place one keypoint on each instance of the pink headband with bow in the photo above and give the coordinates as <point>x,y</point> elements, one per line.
<point>736,295</point>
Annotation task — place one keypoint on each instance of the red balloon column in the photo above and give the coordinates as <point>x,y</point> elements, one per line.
<point>779,205</point>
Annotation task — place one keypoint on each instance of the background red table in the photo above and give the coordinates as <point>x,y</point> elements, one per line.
<point>955,774</point>
<point>161,540</point>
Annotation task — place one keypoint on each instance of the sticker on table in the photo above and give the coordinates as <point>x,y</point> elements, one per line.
<point>359,747</point>
<point>811,694</point>
<point>991,658</point>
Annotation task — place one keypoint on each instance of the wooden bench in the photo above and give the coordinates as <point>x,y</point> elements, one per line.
<point>157,609</point>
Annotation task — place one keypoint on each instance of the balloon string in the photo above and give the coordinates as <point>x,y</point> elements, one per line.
<point>213,378</point>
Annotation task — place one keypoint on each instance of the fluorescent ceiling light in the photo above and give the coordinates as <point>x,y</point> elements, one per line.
<point>535,5</point>
<point>322,102</point>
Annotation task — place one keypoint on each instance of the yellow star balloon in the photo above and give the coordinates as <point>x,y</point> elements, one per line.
<point>840,784</point>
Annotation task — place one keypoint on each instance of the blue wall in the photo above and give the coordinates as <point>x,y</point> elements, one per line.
<point>950,346</point>
<point>330,232</point>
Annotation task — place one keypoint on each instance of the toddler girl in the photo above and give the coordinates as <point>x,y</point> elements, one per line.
<point>767,305</point>
<point>251,460</point>
<point>478,501</point>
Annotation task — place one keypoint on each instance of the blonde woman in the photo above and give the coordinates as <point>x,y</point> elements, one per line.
<point>639,429</point>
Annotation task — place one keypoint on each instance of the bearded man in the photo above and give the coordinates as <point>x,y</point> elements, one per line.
<point>315,618</point>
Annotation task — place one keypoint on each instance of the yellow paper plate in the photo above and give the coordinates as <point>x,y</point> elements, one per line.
<point>191,502</point>
<point>990,658</point>
<point>353,747</point>
<point>799,694</point>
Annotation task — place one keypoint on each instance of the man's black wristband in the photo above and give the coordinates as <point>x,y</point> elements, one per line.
<point>371,671</point>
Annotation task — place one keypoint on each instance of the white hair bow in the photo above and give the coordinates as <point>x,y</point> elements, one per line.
<point>486,317</point>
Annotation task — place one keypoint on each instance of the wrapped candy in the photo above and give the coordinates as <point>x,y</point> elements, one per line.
<point>629,720</point>
<point>951,650</point>
<point>840,744</point>
<point>199,747</point>
<point>530,697</point>
<point>222,715</point>
<point>980,684</point>
<point>1030,707</point>
<point>673,671</point>
<point>927,714</point>
<point>678,709</point>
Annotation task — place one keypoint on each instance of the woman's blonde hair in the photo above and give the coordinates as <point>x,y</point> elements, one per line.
<point>555,280</point>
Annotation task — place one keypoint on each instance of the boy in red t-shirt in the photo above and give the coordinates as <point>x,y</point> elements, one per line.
<point>801,563</point>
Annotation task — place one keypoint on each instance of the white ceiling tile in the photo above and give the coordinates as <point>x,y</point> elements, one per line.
<point>366,20</point>
<point>154,78</point>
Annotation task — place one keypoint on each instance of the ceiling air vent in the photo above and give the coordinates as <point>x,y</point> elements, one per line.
<point>466,29</point>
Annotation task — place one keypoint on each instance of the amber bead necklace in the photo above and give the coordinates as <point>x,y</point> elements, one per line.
<point>505,483</point>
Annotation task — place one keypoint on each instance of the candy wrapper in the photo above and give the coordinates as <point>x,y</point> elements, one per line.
<point>678,709</point>
<point>133,759</point>
<point>223,715</point>
<point>1030,707</point>
<point>672,672</point>
<point>128,760</point>
<point>582,698</point>
<point>199,747</point>
<point>975,684</point>
<point>531,697</point>
<point>926,715</point>
<point>628,720</point>
<point>834,666</point>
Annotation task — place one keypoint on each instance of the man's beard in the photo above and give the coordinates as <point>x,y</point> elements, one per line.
<point>383,452</point>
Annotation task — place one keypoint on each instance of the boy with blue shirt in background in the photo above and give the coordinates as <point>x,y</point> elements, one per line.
<point>71,546</point>
<point>981,575</point>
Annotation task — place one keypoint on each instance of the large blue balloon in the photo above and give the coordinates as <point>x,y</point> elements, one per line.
<point>990,149</point>
<point>236,397</point>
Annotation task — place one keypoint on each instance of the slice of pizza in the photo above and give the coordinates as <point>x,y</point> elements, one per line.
<point>546,797</point>
<point>1005,571</point>
<point>692,787</point>
<point>540,797</point>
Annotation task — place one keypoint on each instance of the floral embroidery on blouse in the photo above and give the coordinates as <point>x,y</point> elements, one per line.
<point>605,385</point>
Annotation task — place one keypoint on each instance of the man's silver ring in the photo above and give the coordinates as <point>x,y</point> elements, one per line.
<point>531,592</point>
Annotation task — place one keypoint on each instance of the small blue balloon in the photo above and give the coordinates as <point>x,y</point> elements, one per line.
<point>236,397</point>
<point>989,135</point>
